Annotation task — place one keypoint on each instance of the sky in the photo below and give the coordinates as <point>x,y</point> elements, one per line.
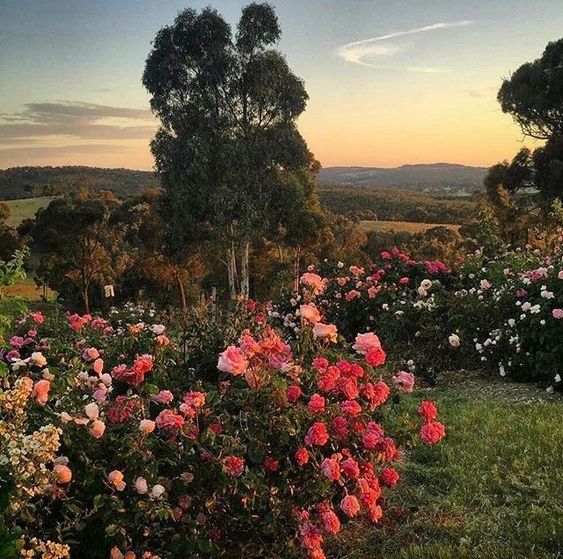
<point>390,82</point>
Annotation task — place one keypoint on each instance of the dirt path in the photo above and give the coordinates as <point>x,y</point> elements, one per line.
<point>474,385</point>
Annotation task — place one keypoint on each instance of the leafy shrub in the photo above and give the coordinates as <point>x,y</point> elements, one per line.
<point>113,445</point>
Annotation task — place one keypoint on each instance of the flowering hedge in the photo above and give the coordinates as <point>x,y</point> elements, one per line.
<point>111,446</point>
<point>501,314</point>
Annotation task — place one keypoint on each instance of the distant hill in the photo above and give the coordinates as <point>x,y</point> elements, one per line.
<point>436,178</point>
<point>439,179</point>
<point>28,182</point>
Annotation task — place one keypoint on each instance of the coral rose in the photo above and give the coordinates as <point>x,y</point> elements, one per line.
<point>432,432</point>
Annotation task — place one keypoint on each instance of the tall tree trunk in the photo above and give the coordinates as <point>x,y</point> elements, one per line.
<point>181,291</point>
<point>244,270</point>
<point>232,271</point>
<point>86,299</point>
<point>297,266</point>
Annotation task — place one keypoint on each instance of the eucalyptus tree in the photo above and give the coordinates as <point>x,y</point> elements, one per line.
<point>227,141</point>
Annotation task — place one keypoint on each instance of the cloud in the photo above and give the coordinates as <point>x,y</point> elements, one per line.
<point>426,69</point>
<point>85,121</point>
<point>357,51</point>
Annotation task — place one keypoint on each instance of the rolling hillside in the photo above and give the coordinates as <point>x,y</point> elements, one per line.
<point>436,178</point>
<point>28,182</point>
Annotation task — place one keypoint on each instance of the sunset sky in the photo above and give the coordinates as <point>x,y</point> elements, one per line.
<point>390,81</point>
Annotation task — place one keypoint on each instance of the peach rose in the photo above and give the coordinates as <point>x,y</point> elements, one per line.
<point>116,479</point>
<point>147,426</point>
<point>97,428</point>
<point>232,361</point>
<point>41,391</point>
<point>63,473</point>
<point>310,313</point>
<point>325,332</point>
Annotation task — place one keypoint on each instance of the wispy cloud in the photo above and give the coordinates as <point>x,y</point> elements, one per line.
<point>80,120</point>
<point>357,52</point>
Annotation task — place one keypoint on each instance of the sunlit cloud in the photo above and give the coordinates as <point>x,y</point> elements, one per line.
<point>364,51</point>
<point>426,69</point>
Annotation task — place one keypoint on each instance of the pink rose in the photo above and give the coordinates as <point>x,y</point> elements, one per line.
<point>557,313</point>
<point>366,342</point>
<point>350,506</point>
<point>232,361</point>
<point>404,381</point>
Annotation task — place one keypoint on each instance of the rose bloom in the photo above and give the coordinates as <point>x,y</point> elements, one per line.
<point>271,464</point>
<point>302,456</point>
<point>293,393</point>
<point>367,342</point>
<point>314,282</point>
<point>116,479</point>
<point>310,313</point>
<point>376,394</point>
<point>331,468</point>
<point>316,404</point>
<point>350,506</point>
<point>41,391</point>
<point>328,378</point>
<point>147,426</point>
<point>350,468</point>
<point>97,428</point>
<point>389,477</point>
<point>234,466</point>
<point>37,317</point>
<point>141,486</point>
<point>38,359</point>
<point>557,313</point>
<point>168,420</point>
<point>163,397</point>
<point>162,340</point>
<point>317,435</point>
<point>90,353</point>
<point>310,537</point>
<point>92,410</point>
<point>63,472</point>
<point>232,361</point>
<point>432,432</point>
<point>376,357</point>
<point>428,410</point>
<point>404,381</point>
<point>325,332</point>
<point>195,399</point>
<point>454,340</point>
<point>331,523</point>
<point>351,408</point>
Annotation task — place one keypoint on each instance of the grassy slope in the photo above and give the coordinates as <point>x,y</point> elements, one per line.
<point>25,208</point>
<point>407,226</point>
<point>492,490</point>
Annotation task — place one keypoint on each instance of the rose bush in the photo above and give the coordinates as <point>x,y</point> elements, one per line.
<point>111,445</point>
<point>500,314</point>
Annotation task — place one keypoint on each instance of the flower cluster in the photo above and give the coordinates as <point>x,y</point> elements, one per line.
<point>147,458</point>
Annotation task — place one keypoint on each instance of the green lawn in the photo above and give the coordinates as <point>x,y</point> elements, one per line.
<point>24,208</point>
<point>493,489</point>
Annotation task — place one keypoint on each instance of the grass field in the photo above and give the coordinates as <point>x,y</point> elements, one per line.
<point>402,226</point>
<point>493,489</point>
<point>25,208</point>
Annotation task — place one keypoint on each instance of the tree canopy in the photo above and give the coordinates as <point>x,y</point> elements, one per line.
<point>228,139</point>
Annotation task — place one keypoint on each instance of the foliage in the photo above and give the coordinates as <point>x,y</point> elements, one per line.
<point>32,181</point>
<point>113,444</point>
<point>228,150</point>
